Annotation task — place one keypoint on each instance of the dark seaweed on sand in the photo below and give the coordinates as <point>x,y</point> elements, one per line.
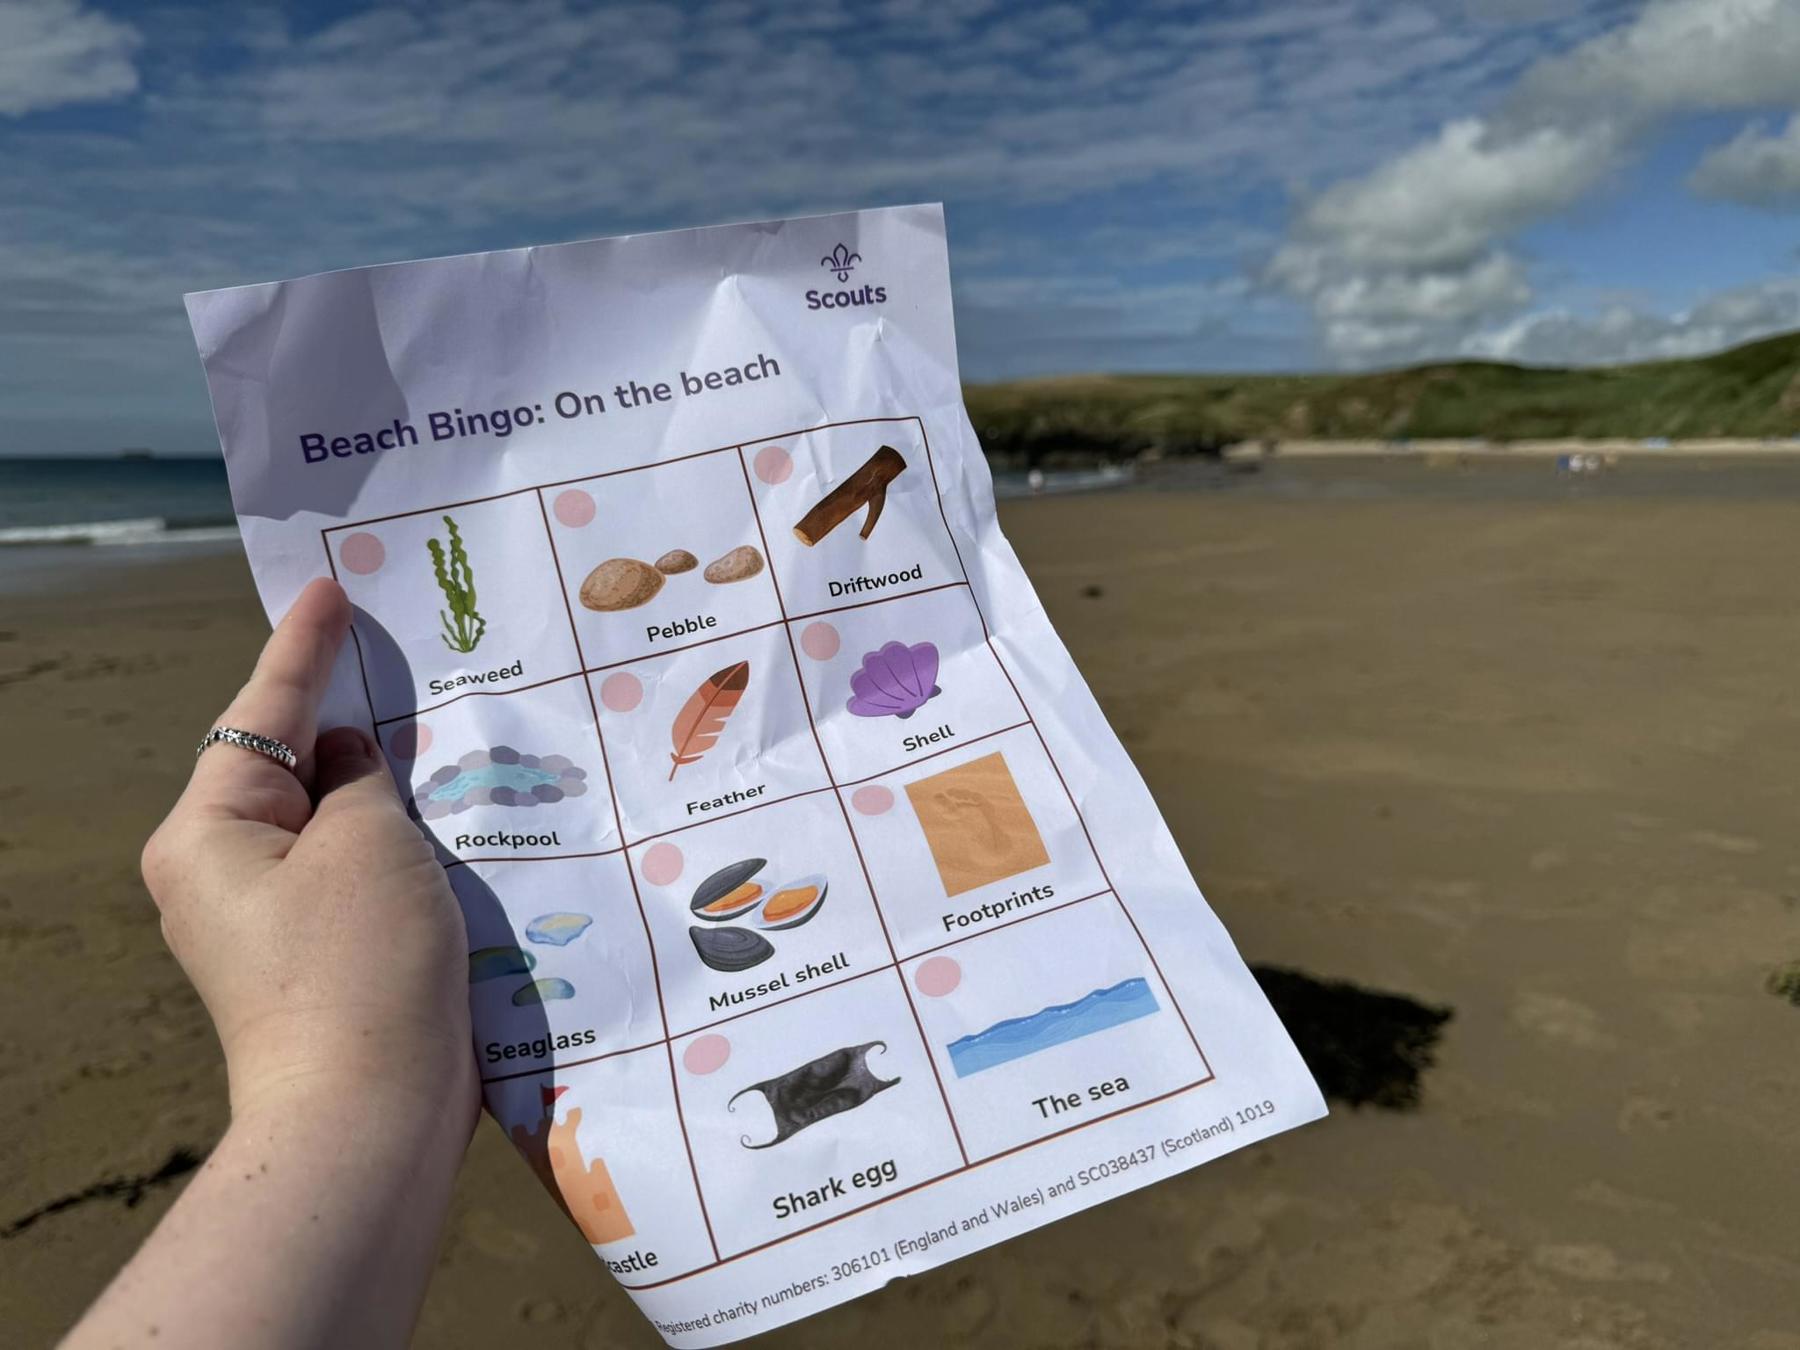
<point>1363,1047</point>
<point>131,1190</point>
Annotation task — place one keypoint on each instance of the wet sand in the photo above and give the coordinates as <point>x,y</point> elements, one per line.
<point>1516,746</point>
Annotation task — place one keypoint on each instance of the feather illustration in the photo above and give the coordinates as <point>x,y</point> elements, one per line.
<point>702,717</point>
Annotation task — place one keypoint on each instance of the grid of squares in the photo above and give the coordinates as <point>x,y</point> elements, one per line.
<point>911,789</point>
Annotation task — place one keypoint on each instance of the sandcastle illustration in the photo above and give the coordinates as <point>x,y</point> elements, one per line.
<point>584,1189</point>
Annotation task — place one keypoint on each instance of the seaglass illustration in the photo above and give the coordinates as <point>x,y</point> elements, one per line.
<point>492,963</point>
<point>557,930</point>
<point>542,991</point>
<point>463,624</point>
<point>895,681</point>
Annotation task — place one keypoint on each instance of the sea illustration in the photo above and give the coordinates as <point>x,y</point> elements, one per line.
<point>1058,1024</point>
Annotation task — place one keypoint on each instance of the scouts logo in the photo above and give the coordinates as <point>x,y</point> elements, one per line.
<point>840,261</point>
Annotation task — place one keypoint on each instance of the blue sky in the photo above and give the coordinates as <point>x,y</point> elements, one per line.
<point>1246,184</point>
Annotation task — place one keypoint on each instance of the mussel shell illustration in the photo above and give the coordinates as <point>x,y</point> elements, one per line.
<point>721,884</point>
<point>792,918</point>
<point>730,949</point>
<point>896,681</point>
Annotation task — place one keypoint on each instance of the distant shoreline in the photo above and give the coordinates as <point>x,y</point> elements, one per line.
<point>1674,449</point>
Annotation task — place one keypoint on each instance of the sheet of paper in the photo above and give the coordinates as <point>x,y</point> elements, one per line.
<point>820,929</point>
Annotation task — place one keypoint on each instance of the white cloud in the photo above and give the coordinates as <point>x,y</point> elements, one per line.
<point>1678,55</point>
<point>1757,166</point>
<point>1623,333</point>
<point>1409,258</point>
<point>56,52</point>
<point>1445,201</point>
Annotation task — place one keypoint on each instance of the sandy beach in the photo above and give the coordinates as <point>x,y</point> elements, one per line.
<point>1509,745</point>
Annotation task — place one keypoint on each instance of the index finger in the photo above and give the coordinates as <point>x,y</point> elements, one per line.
<point>281,700</point>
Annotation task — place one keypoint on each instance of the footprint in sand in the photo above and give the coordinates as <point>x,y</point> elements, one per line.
<point>1563,1020</point>
<point>1724,843</point>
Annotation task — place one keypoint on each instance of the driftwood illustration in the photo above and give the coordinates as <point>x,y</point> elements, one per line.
<point>866,487</point>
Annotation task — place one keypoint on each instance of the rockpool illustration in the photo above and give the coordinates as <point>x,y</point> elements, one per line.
<point>463,625</point>
<point>500,776</point>
<point>1058,1024</point>
<point>895,681</point>
<point>827,1086</point>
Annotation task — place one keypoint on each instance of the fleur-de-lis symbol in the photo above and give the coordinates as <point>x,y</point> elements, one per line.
<point>841,261</point>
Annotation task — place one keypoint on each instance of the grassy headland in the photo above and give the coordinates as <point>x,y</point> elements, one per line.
<point>1751,391</point>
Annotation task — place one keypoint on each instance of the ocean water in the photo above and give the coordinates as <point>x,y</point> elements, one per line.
<point>1058,1024</point>
<point>148,501</point>
<point>114,502</point>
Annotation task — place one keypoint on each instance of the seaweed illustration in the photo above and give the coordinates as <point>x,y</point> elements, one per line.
<point>463,625</point>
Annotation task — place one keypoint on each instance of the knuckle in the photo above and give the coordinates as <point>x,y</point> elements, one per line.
<point>153,861</point>
<point>161,858</point>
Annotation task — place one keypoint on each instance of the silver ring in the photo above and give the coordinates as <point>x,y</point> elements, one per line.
<point>249,740</point>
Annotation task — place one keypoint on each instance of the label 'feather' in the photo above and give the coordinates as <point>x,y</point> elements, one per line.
<point>702,717</point>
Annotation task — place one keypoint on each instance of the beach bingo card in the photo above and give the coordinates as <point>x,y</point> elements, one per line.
<point>820,930</point>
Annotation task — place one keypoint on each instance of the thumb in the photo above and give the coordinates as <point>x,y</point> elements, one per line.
<point>349,767</point>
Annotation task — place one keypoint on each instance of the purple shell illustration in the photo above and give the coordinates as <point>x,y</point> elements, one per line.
<point>895,681</point>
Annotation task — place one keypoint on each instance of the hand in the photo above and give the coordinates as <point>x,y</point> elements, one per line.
<point>321,933</point>
<point>309,911</point>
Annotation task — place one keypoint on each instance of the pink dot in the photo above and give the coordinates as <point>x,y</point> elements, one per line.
<point>819,641</point>
<point>574,508</point>
<point>621,691</point>
<point>662,866</point>
<point>409,740</point>
<point>362,553</point>
<point>706,1055</point>
<point>937,977</point>
<point>773,464</point>
<point>872,800</point>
